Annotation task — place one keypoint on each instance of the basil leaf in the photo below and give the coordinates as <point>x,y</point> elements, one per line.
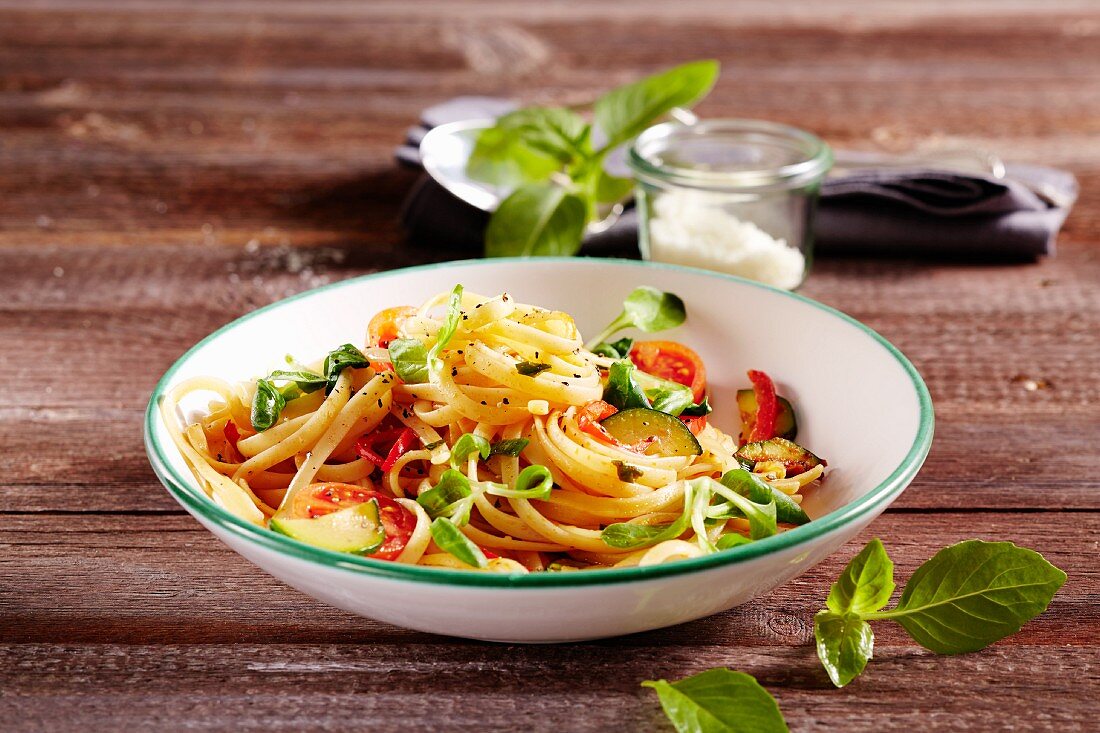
<point>732,539</point>
<point>626,472</point>
<point>267,405</point>
<point>468,443</point>
<point>511,447</point>
<point>622,390</point>
<point>447,330</point>
<point>345,357</point>
<point>719,701</point>
<point>557,132</point>
<point>612,189</point>
<point>672,398</point>
<point>533,482</point>
<point>452,488</point>
<point>647,309</point>
<point>866,583</point>
<point>306,380</point>
<point>974,593</point>
<point>450,539</point>
<point>616,349</point>
<point>756,489</point>
<point>501,158</point>
<point>410,360</point>
<point>844,644</point>
<point>698,409</point>
<point>531,368</point>
<point>537,219</point>
<point>623,113</point>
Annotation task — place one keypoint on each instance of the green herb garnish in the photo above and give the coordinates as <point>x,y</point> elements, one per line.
<point>511,447</point>
<point>267,405</point>
<point>626,472</point>
<point>965,598</point>
<point>531,368</point>
<point>345,357</point>
<point>450,539</point>
<point>410,360</point>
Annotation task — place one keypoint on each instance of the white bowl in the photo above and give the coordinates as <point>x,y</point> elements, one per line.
<point>860,403</point>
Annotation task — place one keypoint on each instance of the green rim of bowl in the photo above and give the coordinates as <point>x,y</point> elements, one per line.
<point>195,501</point>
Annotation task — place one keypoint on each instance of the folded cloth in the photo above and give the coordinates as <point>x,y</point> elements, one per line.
<point>883,211</point>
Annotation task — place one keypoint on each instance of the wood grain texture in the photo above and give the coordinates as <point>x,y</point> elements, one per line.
<point>167,166</point>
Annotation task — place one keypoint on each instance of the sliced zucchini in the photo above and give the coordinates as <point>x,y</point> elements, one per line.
<point>785,424</point>
<point>794,457</point>
<point>356,529</point>
<point>670,436</point>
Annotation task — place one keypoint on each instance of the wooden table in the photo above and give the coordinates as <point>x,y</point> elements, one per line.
<point>166,168</point>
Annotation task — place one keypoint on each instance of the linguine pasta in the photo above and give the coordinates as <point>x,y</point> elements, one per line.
<point>478,427</point>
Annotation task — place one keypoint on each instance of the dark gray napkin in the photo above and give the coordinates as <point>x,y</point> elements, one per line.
<point>893,212</point>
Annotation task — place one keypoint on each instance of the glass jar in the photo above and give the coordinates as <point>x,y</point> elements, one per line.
<point>736,196</point>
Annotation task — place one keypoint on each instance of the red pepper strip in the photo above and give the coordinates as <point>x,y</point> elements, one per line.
<point>589,417</point>
<point>231,433</point>
<point>767,406</point>
<point>367,445</point>
<point>401,446</point>
<point>489,554</point>
<point>695,424</point>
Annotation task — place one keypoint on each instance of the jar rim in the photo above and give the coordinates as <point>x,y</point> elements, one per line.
<point>814,156</point>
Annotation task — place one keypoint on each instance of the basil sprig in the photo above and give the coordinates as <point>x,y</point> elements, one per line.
<point>719,701</point>
<point>450,539</point>
<point>965,598</point>
<point>411,360</point>
<point>547,157</point>
<point>269,401</point>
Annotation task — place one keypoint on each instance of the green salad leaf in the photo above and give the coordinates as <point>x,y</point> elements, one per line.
<point>450,539</point>
<point>447,330</point>
<point>646,309</point>
<point>719,701</point>
<point>756,489</point>
<point>966,597</point>
<point>615,350</point>
<point>452,496</point>
<point>466,445</point>
<point>533,482</point>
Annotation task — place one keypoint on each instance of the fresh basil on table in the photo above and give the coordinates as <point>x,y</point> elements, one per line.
<point>966,597</point>
<point>547,157</point>
<point>719,701</point>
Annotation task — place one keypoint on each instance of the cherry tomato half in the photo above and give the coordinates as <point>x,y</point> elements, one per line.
<point>318,500</point>
<point>672,361</point>
<point>386,324</point>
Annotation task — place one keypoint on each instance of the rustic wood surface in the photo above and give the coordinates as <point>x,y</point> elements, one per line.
<point>168,166</point>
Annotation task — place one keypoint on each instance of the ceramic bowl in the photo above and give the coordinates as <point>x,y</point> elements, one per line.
<point>861,404</point>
